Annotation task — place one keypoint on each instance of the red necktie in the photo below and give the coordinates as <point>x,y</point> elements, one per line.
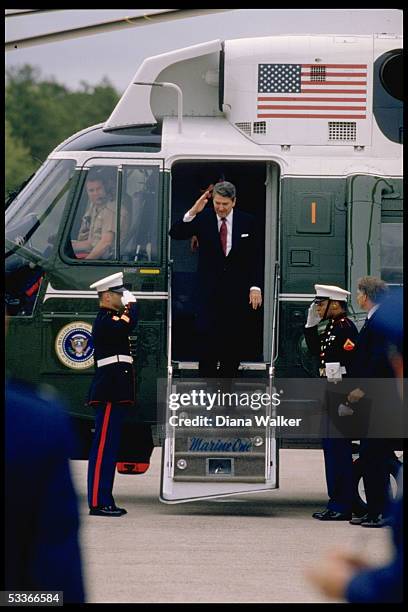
<point>223,236</point>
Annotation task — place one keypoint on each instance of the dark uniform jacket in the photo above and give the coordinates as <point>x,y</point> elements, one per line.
<point>336,343</point>
<point>223,282</point>
<point>110,333</point>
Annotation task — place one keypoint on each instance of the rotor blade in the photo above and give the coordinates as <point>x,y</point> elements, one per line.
<point>108,26</point>
<point>18,12</point>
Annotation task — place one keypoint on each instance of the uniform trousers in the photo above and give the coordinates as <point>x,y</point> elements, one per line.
<point>104,451</point>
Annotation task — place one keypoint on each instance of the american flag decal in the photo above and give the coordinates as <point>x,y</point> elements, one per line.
<point>312,91</point>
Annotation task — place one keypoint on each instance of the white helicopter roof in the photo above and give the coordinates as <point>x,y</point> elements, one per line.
<point>285,90</point>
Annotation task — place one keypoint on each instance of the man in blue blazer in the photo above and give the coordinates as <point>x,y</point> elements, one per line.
<point>371,361</point>
<point>229,274</point>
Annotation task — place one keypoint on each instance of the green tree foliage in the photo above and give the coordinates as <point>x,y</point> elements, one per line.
<point>19,163</point>
<point>41,113</point>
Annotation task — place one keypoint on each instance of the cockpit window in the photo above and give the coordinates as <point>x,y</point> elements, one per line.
<point>34,217</point>
<point>92,235</point>
<point>117,215</point>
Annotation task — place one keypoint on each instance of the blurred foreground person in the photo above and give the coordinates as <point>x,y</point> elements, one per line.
<point>41,516</point>
<point>349,576</point>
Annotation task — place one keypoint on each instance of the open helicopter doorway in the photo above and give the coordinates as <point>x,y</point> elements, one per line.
<point>256,185</point>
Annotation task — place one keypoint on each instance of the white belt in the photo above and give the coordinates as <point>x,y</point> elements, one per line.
<point>114,359</point>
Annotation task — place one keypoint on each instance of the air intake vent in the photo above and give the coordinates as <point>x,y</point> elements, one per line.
<point>259,127</point>
<point>317,74</point>
<point>244,127</point>
<point>342,130</point>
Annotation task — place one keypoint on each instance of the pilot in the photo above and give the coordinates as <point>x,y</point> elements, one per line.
<point>112,390</point>
<point>98,226</point>
<point>334,346</point>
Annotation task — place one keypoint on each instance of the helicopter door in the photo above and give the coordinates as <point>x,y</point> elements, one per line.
<point>219,439</point>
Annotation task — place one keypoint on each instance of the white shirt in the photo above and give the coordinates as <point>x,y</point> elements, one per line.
<point>372,311</point>
<point>229,220</point>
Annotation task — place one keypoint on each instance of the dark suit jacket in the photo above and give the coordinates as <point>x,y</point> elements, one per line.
<point>223,282</point>
<point>371,371</point>
<point>41,516</point>
<point>370,359</point>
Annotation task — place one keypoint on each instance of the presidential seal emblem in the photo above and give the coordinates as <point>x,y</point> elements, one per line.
<point>74,346</point>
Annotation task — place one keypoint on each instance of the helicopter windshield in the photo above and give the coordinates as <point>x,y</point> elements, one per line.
<point>34,217</point>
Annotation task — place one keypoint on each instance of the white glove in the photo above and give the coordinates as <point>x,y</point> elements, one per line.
<point>312,316</point>
<point>127,297</point>
<point>344,410</point>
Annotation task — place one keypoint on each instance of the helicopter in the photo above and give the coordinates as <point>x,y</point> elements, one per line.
<point>309,129</point>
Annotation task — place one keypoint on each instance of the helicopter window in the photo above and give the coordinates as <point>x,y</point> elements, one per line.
<point>94,234</point>
<point>94,228</point>
<point>140,189</point>
<point>391,252</point>
<point>391,74</point>
<point>33,218</point>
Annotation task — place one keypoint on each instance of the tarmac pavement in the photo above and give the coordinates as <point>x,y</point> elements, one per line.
<point>248,548</point>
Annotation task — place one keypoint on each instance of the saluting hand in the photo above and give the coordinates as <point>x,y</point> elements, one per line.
<point>200,204</point>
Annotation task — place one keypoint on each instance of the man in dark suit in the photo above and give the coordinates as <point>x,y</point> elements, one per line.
<point>229,273</point>
<point>370,361</point>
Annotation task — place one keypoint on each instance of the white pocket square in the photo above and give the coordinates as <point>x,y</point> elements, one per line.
<point>244,235</point>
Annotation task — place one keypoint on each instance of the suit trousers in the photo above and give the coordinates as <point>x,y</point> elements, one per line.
<point>221,344</point>
<point>375,456</point>
<point>338,461</point>
<point>104,451</point>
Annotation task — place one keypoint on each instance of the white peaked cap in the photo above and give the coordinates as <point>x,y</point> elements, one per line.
<point>331,292</point>
<point>114,282</point>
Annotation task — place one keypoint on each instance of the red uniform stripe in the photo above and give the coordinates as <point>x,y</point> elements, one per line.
<point>99,457</point>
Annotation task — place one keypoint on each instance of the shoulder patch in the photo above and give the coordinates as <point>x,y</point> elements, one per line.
<point>348,345</point>
<point>125,318</point>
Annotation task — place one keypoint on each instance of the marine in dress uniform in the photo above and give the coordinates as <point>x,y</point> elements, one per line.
<point>112,390</point>
<point>335,345</point>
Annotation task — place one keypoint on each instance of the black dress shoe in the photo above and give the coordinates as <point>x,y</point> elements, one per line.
<point>357,520</point>
<point>374,520</point>
<point>331,515</point>
<point>107,511</point>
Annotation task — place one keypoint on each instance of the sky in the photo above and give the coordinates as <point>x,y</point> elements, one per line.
<point>117,55</point>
